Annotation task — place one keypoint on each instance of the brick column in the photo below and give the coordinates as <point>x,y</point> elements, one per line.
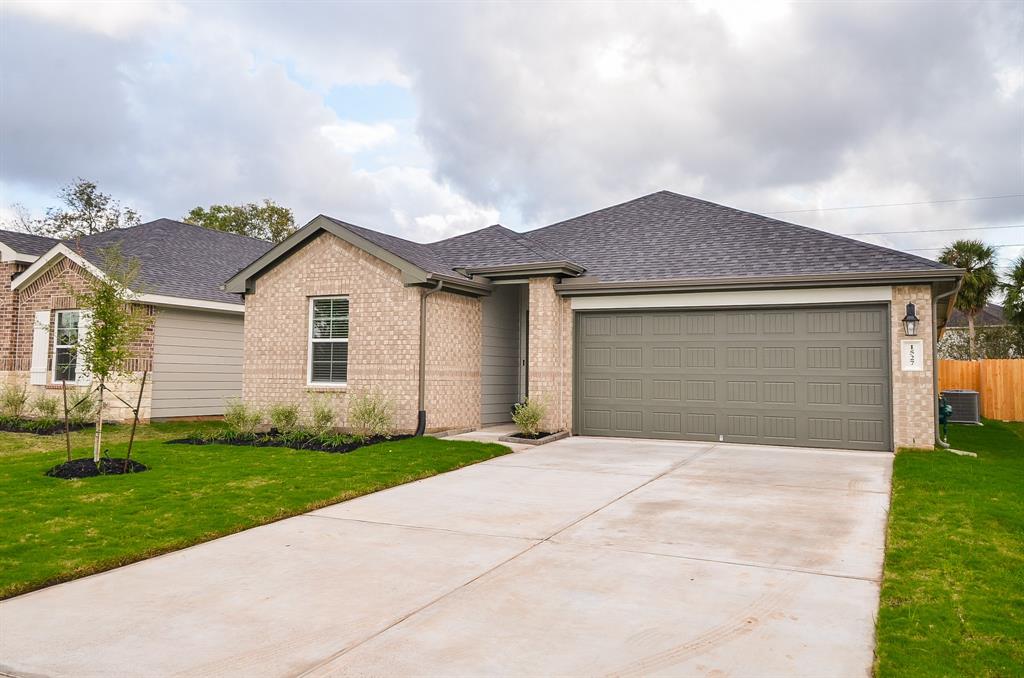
<point>913,393</point>
<point>550,353</point>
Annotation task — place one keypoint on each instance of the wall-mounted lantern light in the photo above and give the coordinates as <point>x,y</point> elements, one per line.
<point>910,321</point>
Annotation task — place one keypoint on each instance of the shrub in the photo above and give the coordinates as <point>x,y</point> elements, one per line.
<point>241,419</point>
<point>527,416</point>
<point>13,400</point>
<point>321,415</point>
<point>81,406</point>
<point>45,406</point>
<point>371,414</point>
<point>284,418</point>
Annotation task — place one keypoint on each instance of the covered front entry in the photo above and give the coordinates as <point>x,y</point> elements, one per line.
<point>804,376</point>
<point>503,363</point>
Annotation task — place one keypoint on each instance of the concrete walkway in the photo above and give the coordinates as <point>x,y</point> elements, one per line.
<point>587,556</point>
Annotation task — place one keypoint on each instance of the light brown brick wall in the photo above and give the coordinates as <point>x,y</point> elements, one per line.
<point>8,313</point>
<point>55,290</point>
<point>913,393</point>
<point>383,337</point>
<point>550,353</point>
<point>454,343</point>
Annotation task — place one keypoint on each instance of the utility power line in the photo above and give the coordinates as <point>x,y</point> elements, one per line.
<point>936,230</point>
<point>922,249</point>
<point>902,204</point>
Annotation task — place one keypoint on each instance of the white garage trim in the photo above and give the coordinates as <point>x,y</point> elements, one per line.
<point>787,297</point>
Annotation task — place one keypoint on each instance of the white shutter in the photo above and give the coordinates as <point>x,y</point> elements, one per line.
<point>40,348</point>
<point>82,378</point>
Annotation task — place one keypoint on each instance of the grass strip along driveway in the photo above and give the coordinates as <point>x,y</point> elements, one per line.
<point>953,590</point>
<point>53,530</point>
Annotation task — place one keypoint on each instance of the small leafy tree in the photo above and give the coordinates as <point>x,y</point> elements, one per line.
<point>266,221</point>
<point>85,210</point>
<point>980,279</point>
<point>117,324</point>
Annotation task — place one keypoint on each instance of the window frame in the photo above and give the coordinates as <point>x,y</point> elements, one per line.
<point>310,341</point>
<point>54,345</point>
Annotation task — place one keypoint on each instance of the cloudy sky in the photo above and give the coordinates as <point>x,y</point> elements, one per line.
<point>427,120</point>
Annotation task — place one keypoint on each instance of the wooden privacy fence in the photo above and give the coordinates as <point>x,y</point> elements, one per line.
<point>1000,384</point>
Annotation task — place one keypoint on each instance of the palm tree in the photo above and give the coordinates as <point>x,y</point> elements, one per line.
<point>1013,306</point>
<point>980,279</point>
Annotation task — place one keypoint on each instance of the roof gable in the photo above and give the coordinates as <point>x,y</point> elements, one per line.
<point>177,260</point>
<point>25,247</point>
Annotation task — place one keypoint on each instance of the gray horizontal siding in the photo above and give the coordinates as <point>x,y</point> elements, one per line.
<point>197,363</point>
<point>499,363</point>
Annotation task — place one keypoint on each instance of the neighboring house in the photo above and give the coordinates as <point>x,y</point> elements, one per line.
<point>995,338</point>
<point>662,317</point>
<point>192,351</point>
<point>990,316</point>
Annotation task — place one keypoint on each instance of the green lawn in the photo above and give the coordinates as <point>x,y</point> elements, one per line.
<point>53,530</point>
<point>953,591</point>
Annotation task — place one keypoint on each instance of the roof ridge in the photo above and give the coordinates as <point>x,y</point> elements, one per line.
<point>536,247</point>
<point>598,211</point>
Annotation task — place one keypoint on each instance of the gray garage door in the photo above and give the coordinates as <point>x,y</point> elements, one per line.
<point>813,377</point>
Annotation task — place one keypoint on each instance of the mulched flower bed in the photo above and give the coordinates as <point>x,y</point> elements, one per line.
<point>536,436</point>
<point>274,440</point>
<point>87,468</point>
<point>39,426</point>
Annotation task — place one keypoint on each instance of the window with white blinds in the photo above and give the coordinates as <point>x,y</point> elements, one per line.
<point>328,340</point>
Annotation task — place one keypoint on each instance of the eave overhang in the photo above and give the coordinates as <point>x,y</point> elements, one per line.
<point>544,268</point>
<point>591,286</point>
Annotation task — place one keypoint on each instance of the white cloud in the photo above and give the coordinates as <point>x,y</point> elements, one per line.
<point>541,113</point>
<point>353,137</point>
<point>110,18</point>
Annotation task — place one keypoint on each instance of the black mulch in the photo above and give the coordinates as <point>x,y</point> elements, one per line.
<point>276,441</point>
<point>87,468</point>
<point>536,436</point>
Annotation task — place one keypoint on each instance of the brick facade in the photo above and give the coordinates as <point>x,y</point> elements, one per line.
<point>551,353</point>
<point>383,337</point>
<point>8,313</point>
<point>55,290</point>
<point>913,393</point>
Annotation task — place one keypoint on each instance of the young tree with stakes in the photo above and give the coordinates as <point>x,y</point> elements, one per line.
<point>117,323</point>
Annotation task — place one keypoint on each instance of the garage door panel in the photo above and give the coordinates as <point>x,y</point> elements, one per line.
<point>814,377</point>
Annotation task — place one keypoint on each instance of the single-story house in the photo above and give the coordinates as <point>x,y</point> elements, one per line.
<point>193,349</point>
<point>990,316</point>
<point>662,317</point>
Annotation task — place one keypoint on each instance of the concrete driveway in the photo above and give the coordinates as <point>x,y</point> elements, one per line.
<point>588,556</point>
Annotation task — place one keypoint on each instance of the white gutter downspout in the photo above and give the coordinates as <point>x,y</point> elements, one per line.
<point>421,414</point>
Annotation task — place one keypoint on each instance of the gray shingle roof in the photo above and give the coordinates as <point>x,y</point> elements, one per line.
<point>662,236</point>
<point>494,246</point>
<point>26,243</point>
<point>667,236</point>
<point>178,259</point>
